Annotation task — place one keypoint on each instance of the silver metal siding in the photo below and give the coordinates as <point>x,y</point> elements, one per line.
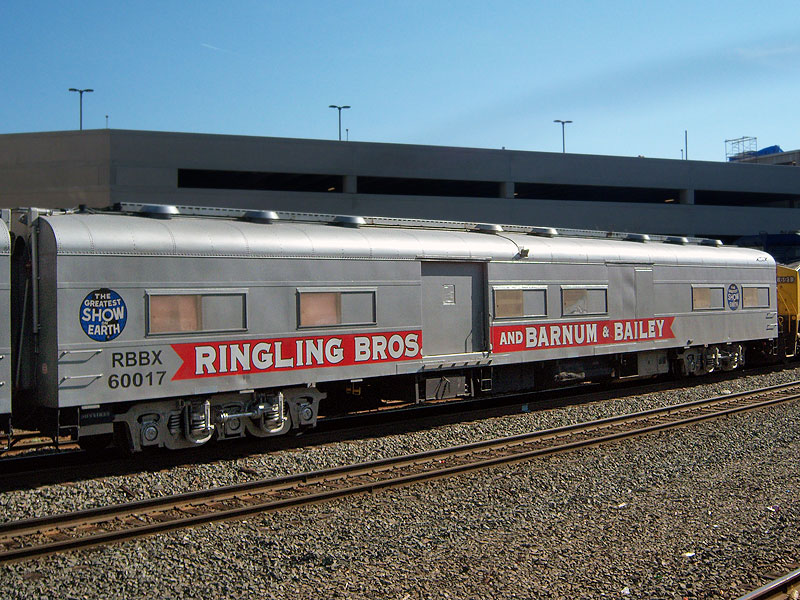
<point>271,305</point>
<point>671,296</point>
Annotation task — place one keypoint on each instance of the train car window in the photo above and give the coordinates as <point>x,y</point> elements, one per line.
<point>584,301</point>
<point>519,302</point>
<point>535,303</point>
<point>223,312</point>
<point>324,309</point>
<point>755,297</point>
<point>358,308</point>
<point>174,313</point>
<point>508,303</point>
<point>201,312</point>
<point>707,298</point>
<point>320,309</point>
<point>448,294</point>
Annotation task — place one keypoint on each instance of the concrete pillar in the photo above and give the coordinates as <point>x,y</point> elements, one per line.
<point>507,189</point>
<point>350,184</point>
<point>687,197</point>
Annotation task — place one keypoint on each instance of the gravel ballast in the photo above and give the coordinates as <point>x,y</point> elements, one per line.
<point>703,512</point>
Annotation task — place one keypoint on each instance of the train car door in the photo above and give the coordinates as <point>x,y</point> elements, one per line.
<point>453,317</point>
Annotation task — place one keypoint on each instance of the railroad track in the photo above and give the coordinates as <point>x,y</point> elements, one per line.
<point>783,588</point>
<point>46,535</point>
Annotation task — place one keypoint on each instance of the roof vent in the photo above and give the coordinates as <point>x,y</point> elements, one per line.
<point>677,239</point>
<point>159,211</point>
<point>260,216</point>
<point>637,237</point>
<point>543,231</point>
<point>714,243</point>
<point>488,228</point>
<point>349,221</point>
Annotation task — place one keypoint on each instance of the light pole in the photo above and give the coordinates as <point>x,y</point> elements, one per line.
<point>563,146</point>
<point>339,108</point>
<point>80,92</point>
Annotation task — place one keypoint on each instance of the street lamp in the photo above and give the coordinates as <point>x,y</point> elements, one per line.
<point>563,146</point>
<point>339,108</point>
<point>80,92</point>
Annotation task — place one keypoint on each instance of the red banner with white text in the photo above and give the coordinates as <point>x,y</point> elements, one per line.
<point>546,336</point>
<point>242,357</point>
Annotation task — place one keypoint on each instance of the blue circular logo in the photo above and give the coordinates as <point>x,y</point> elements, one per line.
<point>103,315</point>
<point>733,296</point>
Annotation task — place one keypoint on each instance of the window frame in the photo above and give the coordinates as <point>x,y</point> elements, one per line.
<point>523,288</point>
<point>338,290</point>
<point>200,292</point>
<point>586,288</point>
<point>755,287</point>
<point>708,286</point>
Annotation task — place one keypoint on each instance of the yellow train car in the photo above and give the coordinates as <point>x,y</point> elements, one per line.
<point>788,311</point>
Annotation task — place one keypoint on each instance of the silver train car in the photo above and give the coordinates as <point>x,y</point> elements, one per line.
<point>167,329</point>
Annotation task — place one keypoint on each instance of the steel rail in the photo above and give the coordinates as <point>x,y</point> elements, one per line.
<point>245,491</point>
<point>782,588</point>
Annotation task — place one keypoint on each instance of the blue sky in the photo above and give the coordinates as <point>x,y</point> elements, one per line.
<point>631,75</point>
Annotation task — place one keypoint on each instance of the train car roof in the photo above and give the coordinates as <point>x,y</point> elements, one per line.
<point>135,235</point>
<point>795,266</point>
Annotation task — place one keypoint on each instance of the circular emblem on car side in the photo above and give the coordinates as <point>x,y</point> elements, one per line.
<point>103,315</point>
<point>733,296</point>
